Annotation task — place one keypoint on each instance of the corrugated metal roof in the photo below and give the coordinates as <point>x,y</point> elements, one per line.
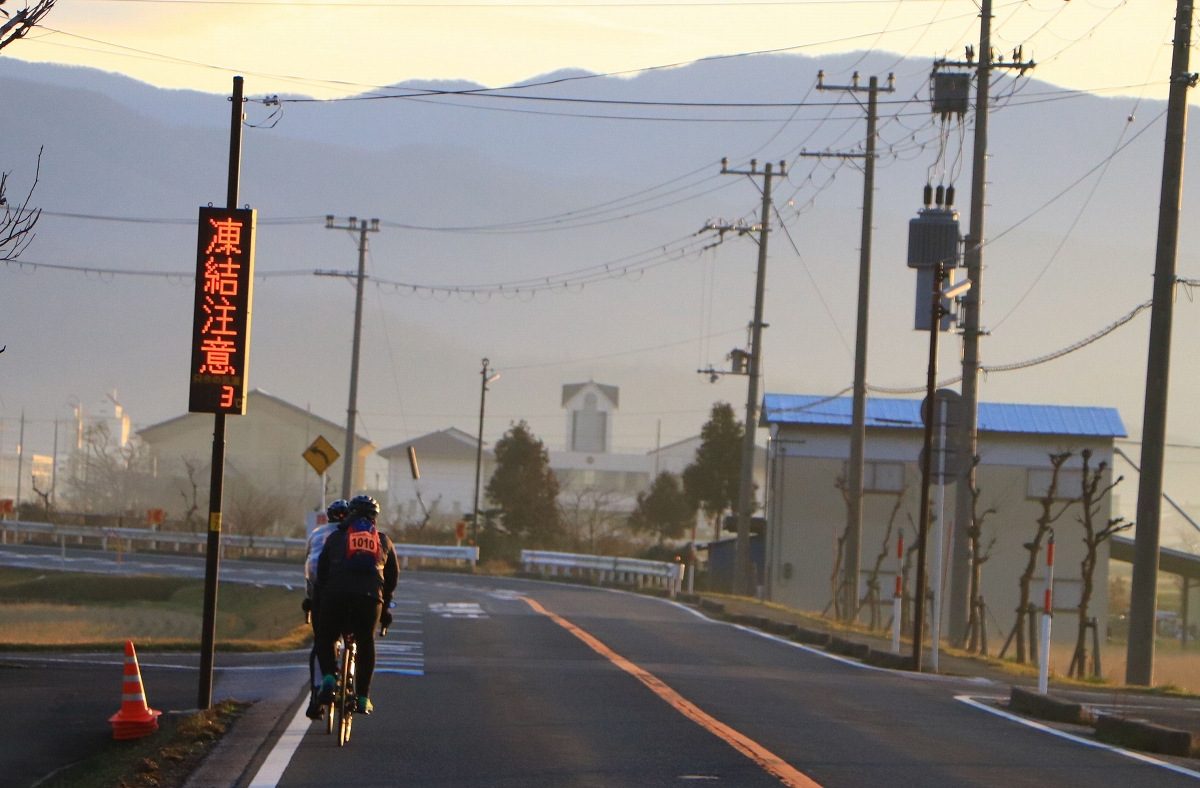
<point>906,413</point>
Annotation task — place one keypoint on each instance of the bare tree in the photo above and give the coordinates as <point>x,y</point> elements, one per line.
<point>979,557</point>
<point>17,221</point>
<point>45,496</point>
<point>839,598</point>
<point>872,597</point>
<point>1045,522</point>
<point>110,478</point>
<point>23,21</point>
<point>191,497</point>
<point>589,515</point>
<point>1091,500</point>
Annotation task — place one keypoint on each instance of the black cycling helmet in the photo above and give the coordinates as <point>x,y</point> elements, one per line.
<point>364,506</point>
<point>338,511</point>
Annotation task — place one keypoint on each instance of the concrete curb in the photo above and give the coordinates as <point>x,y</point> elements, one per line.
<point>1044,707</point>
<point>247,743</point>
<point>1145,736</point>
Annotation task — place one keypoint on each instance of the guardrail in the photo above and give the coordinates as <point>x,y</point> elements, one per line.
<point>436,552</point>
<point>278,546</point>
<point>606,569</point>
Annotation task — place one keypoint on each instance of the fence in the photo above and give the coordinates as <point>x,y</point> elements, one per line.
<point>265,546</point>
<point>606,569</point>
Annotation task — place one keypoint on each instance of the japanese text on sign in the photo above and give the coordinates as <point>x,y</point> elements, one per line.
<point>221,321</point>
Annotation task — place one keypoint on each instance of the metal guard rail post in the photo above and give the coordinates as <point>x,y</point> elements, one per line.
<point>606,569</point>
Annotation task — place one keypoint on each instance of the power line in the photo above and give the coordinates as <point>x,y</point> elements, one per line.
<point>503,5</point>
<point>1037,360</point>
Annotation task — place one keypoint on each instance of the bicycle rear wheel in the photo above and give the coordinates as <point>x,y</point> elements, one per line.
<point>337,671</point>
<point>345,696</point>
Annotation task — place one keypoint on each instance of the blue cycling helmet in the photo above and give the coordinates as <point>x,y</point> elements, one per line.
<point>364,506</point>
<point>338,511</point>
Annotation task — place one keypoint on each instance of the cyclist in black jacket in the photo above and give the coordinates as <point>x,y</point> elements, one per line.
<point>356,577</point>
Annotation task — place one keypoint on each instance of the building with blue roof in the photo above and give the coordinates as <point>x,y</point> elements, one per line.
<point>806,508</point>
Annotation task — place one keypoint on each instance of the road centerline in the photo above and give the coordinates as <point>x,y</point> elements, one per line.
<point>769,761</point>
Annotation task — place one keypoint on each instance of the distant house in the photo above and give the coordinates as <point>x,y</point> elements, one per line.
<point>446,460</point>
<point>806,512</point>
<point>264,447</point>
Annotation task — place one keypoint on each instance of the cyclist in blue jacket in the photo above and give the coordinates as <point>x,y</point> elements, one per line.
<point>336,513</point>
<point>356,577</point>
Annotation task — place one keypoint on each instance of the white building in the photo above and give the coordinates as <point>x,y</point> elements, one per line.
<point>446,460</point>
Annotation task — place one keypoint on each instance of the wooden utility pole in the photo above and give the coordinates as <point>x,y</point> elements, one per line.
<point>360,226</point>
<point>852,547</point>
<point>741,565</point>
<point>1143,603</point>
<point>960,561</point>
<point>216,483</point>
<point>484,380</point>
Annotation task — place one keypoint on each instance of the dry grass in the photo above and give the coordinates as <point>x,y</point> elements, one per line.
<point>70,610</point>
<point>162,760</point>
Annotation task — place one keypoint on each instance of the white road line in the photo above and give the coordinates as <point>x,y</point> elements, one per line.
<point>271,772</point>
<point>1137,756</point>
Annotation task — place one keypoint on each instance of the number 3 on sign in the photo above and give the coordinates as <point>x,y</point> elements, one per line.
<point>226,396</point>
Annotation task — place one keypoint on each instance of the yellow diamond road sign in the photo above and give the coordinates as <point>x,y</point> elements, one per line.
<point>321,455</point>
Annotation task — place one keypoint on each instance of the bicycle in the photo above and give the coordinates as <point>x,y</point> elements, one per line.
<point>345,697</point>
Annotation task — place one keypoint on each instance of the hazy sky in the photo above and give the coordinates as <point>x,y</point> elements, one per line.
<point>337,46</point>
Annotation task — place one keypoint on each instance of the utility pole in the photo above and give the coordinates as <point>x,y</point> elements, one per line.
<point>1143,604</point>
<point>741,568</point>
<point>483,389</point>
<point>20,461</point>
<point>960,560</point>
<point>54,466</point>
<point>360,226</point>
<point>937,312</point>
<point>852,547</point>
<point>212,556</point>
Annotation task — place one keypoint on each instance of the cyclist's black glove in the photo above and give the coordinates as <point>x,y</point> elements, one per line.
<point>385,619</point>
<point>306,605</point>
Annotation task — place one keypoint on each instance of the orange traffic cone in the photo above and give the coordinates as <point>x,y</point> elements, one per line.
<point>135,719</point>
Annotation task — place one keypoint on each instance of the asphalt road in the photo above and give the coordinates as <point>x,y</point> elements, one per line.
<point>52,559</point>
<point>476,687</point>
<point>509,697</point>
<point>59,704</point>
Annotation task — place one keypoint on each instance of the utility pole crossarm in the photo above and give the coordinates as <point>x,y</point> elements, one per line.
<point>836,155</point>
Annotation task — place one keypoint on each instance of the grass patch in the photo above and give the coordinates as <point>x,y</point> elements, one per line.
<point>70,610</point>
<point>161,760</point>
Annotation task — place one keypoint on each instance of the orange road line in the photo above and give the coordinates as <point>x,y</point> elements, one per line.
<point>768,760</point>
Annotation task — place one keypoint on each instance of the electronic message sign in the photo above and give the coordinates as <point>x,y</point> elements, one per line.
<point>221,321</point>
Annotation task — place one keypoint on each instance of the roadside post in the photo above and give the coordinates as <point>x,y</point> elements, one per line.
<point>1047,618</point>
<point>221,354</point>
<point>320,455</point>
<point>898,597</point>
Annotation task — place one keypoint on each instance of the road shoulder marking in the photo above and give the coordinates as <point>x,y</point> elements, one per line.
<point>1137,756</point>
<point>271,772</point>
<point>769,761</point>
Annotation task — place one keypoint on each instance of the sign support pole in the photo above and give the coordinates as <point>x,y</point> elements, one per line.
<point>212,563</point>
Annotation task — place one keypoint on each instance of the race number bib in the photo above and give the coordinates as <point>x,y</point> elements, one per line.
<point>363,542</point>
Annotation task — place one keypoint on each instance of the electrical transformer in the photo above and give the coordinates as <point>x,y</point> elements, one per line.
<point>933,237</point>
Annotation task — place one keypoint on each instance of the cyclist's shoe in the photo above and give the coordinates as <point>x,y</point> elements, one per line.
<point>364,705</point>
<point>314,706</point>
<point>328,684</point>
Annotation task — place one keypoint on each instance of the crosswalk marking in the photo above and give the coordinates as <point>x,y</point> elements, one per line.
<point>403,657</point>
<point>457,610</point>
